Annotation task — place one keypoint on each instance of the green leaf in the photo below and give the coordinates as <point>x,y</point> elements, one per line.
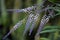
<point>56,9</point>
<point>57,14</point>
<point>54,1</point>
<point>44,39</point>
<point>52,30</point>
<point>51,27</point>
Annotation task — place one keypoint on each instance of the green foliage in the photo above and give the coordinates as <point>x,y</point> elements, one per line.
<point>50,32</point>
<point>44,39</point>
<point>54,1</point>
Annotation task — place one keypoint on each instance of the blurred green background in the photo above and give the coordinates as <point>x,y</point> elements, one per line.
<point>9,19</point>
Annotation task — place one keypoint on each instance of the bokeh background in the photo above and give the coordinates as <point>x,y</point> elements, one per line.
<point>9,19</point>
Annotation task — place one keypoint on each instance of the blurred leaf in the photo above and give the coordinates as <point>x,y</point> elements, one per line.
<point>49,31</point>
<point>15,15</point>
<point>57,14</point>
<point>4,12</point>
<point>57,9</point>
<point>0,21</point>
<point>44,39</point>
<point>51,27</point>
<point>28,3</point>
<point>54,1</point>
<point>56,34</point>
<point>57,4</point>
<point>39,1</point>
